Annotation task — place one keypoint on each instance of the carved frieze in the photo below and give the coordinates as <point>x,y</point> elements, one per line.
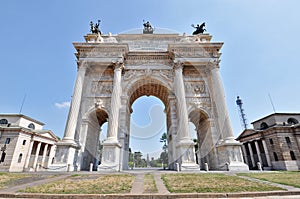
<point>165,74</point>
<point>163,59</point>
<point>192,51</point>
<point>100,52</point>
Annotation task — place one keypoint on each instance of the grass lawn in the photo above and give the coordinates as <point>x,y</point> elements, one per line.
<point>87,184</point>
<point>7,179</point>
<point>291,178</point>
<point>149,184</point>
<point>200,183</point>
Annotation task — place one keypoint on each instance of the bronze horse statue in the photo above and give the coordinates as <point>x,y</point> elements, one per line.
<point>199,29</point>
<point>95,28</point>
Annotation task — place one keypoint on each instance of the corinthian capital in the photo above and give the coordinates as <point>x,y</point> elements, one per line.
<point>118,65</point>
<point>178,64</point>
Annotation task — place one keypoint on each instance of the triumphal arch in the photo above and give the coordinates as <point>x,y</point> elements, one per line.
<point>181,70</point>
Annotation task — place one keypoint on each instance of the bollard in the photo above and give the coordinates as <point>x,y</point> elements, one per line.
<point>206,166</point>
<point>91,167</point>
<point>259,166</point>
<point>68,167</point>
<point>227,166</point>
<point>177,166</point>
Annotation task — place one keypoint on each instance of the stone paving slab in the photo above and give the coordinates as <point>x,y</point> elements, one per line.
<point>160,184</point>
<point>138,184</point>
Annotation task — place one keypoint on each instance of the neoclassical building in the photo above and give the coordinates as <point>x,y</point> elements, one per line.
<point>25,146</point>
<point>181,70</point>
<point>274,142</point>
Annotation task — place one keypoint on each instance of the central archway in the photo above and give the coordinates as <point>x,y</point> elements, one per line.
<point>147,87</point>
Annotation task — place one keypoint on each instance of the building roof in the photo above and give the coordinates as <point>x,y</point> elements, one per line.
<point>23,116</point>
<point>276,114</point>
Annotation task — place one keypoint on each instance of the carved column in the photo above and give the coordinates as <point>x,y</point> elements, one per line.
<point>112,133</point>
<point>185,146</point>
<point>75,106</point>
<point>227,144</point>
<point>220,105</point>
<point>183,126</point>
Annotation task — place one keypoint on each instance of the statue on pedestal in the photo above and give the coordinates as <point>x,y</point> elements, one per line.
<point>95,28</point>
<point>148,29</point>
<point>199,29</point>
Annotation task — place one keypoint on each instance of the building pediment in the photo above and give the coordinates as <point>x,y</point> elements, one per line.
<point>246,133</point>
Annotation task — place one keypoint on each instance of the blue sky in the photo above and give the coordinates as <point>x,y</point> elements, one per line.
<point>260,54</point>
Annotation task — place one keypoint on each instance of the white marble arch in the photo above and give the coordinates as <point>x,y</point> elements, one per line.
<point>151,70</point>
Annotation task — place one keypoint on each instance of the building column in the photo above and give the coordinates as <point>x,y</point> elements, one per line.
<point>267,153</point>
<point>69,135</point>
<point>245,154</point>
<point>36,155</point>
<point>111,155</point>
<point>185,148</point>
<point>113,122</point>
<point>44,154</point>
<point>258,152</point>
<point>28,154</point>
<point>251,154</point>
<point>51,155</point>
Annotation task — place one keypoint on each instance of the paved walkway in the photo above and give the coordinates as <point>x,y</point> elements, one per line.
<point>286,187</point>
<point>138,185</point>
<point>14,189</point>
<point>138,189</point>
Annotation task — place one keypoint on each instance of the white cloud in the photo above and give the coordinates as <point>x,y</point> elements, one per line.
<point>63,105</point>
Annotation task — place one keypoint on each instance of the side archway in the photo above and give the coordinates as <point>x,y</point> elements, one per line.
<point>89,139</point>
<point>206,146</point>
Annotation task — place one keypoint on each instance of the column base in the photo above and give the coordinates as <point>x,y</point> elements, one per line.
<point>111,160</point>
<point>230,155</point>
<point>186,154</point>
<point>65,157</point>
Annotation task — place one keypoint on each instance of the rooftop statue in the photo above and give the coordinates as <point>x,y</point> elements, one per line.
<point>148,29</point>
<point>95,28</point>
<point>199,29</point>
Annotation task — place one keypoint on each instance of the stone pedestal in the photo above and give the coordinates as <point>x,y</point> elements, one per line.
<point>110,156</point>
<point>230,155</point>
<point>65,156</point>
<point>186,155</point>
